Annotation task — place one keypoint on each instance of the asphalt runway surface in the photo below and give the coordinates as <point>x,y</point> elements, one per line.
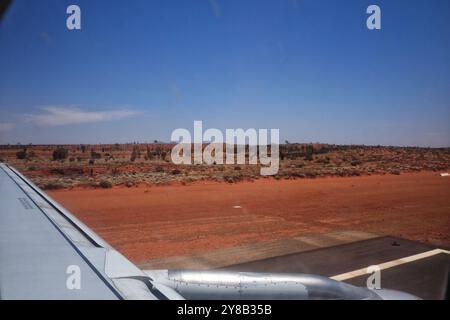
<point>425,277</point>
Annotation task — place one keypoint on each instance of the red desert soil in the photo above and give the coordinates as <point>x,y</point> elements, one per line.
<point>161,221</point>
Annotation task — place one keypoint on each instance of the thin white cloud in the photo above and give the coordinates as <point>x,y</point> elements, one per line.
<point>6,126</point>
<point>60,116</point>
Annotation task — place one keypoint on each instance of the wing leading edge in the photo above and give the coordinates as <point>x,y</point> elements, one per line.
<point>46,253</point>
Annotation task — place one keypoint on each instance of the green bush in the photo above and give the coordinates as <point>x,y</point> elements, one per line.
<point>60,153</point>
<point>105,184</point>
<point>95,155</point>
<point>309,153</point>
<point>21,154</point>
<point>52,186</point>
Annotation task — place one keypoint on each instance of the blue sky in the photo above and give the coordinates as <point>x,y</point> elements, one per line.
<point>137,70</point>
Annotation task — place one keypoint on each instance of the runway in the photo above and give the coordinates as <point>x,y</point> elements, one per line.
<point>424,275</point>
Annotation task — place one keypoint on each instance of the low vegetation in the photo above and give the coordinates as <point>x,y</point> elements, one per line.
<point>60,153</point>
<point>104,166</point>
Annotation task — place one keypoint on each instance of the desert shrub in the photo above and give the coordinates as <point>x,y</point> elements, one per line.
<point>340,173</point>
<point>95,155</point>
<point>176,171</point>
<point>136,154</point>
<point>25,155</point>
<point>294,174</point>
<point>228,179</point>
<point>21,154</point>
<point>60,153</point>
<point>59,171</point>
<point>309,153</point>
<point>105,184</point>
<point>233,179</point>
<point>52,186</point>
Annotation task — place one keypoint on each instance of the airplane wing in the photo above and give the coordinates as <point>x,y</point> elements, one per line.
<point>47,253</point>
<point>44,248</point>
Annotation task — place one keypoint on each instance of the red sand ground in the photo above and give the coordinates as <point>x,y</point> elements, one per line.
<point>151,222</point>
